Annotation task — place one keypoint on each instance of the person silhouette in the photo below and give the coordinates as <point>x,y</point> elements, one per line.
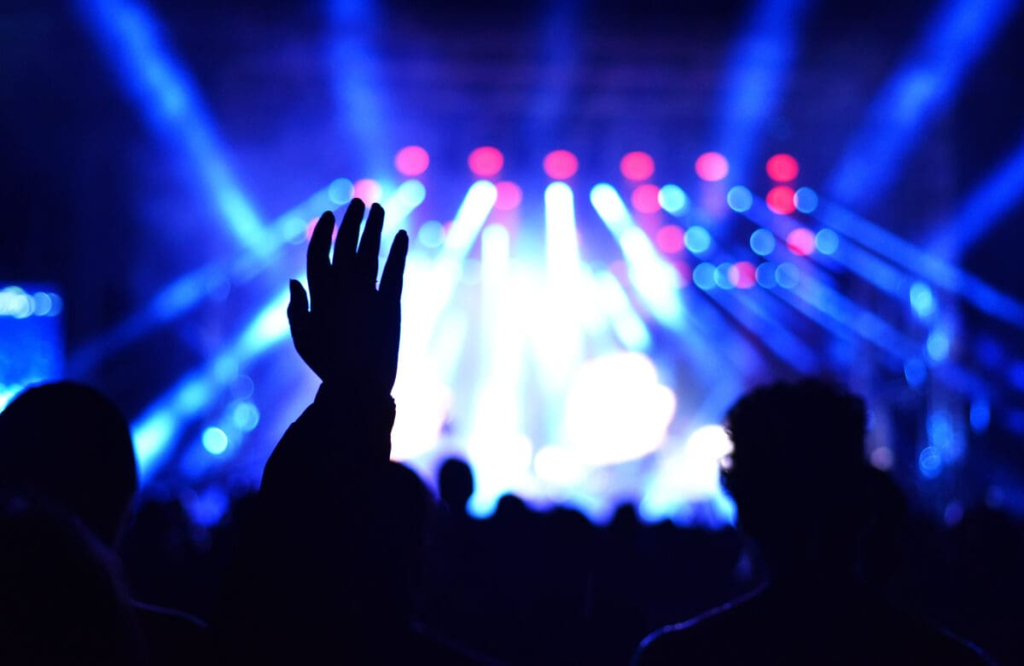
<point>328,574</point>
<point>68,445</point>
<point>804,494</point>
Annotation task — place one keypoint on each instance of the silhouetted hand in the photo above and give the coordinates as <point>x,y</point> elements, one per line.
<point>350,334</point>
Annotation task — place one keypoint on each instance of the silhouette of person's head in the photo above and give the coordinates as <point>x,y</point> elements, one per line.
<point>70,444</point>
<point>798,475</point>
<point>456,485</point>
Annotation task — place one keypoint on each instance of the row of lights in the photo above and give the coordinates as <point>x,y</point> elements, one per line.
<point>17,303</point>
<point>488,161</point>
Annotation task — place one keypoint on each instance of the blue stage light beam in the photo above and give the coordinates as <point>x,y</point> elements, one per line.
<point>656,281</point>
<point>161,423</point>
<point>984,208</point>
<point>169,99</point>
<point>953,40</point>
<point>756,78</point>
<point>363,113</point>
<point>940,273</point>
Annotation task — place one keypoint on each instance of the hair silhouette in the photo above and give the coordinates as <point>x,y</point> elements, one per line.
<point>71,444</point>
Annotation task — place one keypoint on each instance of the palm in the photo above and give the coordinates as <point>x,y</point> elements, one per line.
<point>348,330</point>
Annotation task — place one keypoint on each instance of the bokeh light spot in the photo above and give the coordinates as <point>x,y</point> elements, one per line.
<point>722,275</point>
<point>739,199</point>
<point>412,161</point>
<point>510,195</point>
<point>704,276</point>
<point>561,164</point>
<point>368,190</point>
<point>637,165</point>
<point>800,241</point>
<point>806,200</point>
<point>787,275</point>
<point>673,199</point>
<point>486,161</point>
<point>782,168</point>
<point>743,275</point>
<point>762,242</point>
<point>780,200</point>
<point>431,234</point>
<point>670,239</point>
<point>766,275</point>
<point>827,241</point>
<point>645,198</point>
<point>712,167</point>
<point>698,240</point>
<point>922,300</point>
<point>340,191</point>
<point>215,441</point>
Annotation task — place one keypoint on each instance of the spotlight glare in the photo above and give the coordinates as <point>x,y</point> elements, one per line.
<point>780,200</point>
<point>509,196</point>
<point>486,161</point>
<point>412,161</point>
<point>670,239</point>
<point>215,441</point>
<point>645,198</point>
<point>782,168</point>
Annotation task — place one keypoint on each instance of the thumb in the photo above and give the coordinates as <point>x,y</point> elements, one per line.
<point>298,306</point>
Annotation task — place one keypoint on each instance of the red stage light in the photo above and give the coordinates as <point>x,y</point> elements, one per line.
<point>800,241</point>
<point>509,195</point>
<point>368,190</point>
<point>412,161</point>
<point>712,167</point>
<point>486,161</point>
<point>645,198</point>
<point>561,164</point>
<point>743,275</point>
<point>782,168</point>
<point>670,239</point>
<point>637,166</point>
<point>781,200</point>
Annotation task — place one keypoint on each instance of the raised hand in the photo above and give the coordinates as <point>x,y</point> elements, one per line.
<point>347,331</point>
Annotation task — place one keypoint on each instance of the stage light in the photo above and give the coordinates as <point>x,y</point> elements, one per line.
<point>938,345</point>
<point>762,242</point>
<point>704,275</point>
<point>486,161</point>
<point>806,200</point>
<point>922,300</point>
<point>562,349</point>
<point>340,191</point>
<point>800,241</point>
<point>215,441</point>
<point>670,239</point>
<point>509,196</point>
<point>981,415</point>
<point>765,275</point>
<point>739,199</point>
<point>782,168</point>
<point>712,167</point>
<point>559,466</point>
<point>929,462</point>
<point>628,327</point>
<point>742,275</point>
<point>787,275</point>
<point>881,458</point>
<point>698,240</point>
<point>431,234</point>
<point>780,200</point>
<point>561,164</point>
<point>470,218</point>
<point>367,189</point>
<point>722,276</point>
<point>645,198</point>
<point>245,416</point>
<point>673,199</point>
<point>827,241</point>
<point>637,166</point>
<point>412,161</point>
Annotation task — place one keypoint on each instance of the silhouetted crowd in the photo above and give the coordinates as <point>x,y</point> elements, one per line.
<point>344,557</point>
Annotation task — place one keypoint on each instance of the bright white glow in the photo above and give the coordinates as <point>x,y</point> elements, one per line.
<point>617,410</point>
<point>397,208</point>
<point>470,218</point>
<point>559,466</point>
<point>610,206</point>
<point>424,403</point>
<point>500,465</point>
<point>560,347</point>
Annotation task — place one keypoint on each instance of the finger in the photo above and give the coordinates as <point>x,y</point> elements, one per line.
<point>394,268</point>
<point>298,306</point>
<point>318,259</point>
<point>369,246</point>
<point>348,234</point>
